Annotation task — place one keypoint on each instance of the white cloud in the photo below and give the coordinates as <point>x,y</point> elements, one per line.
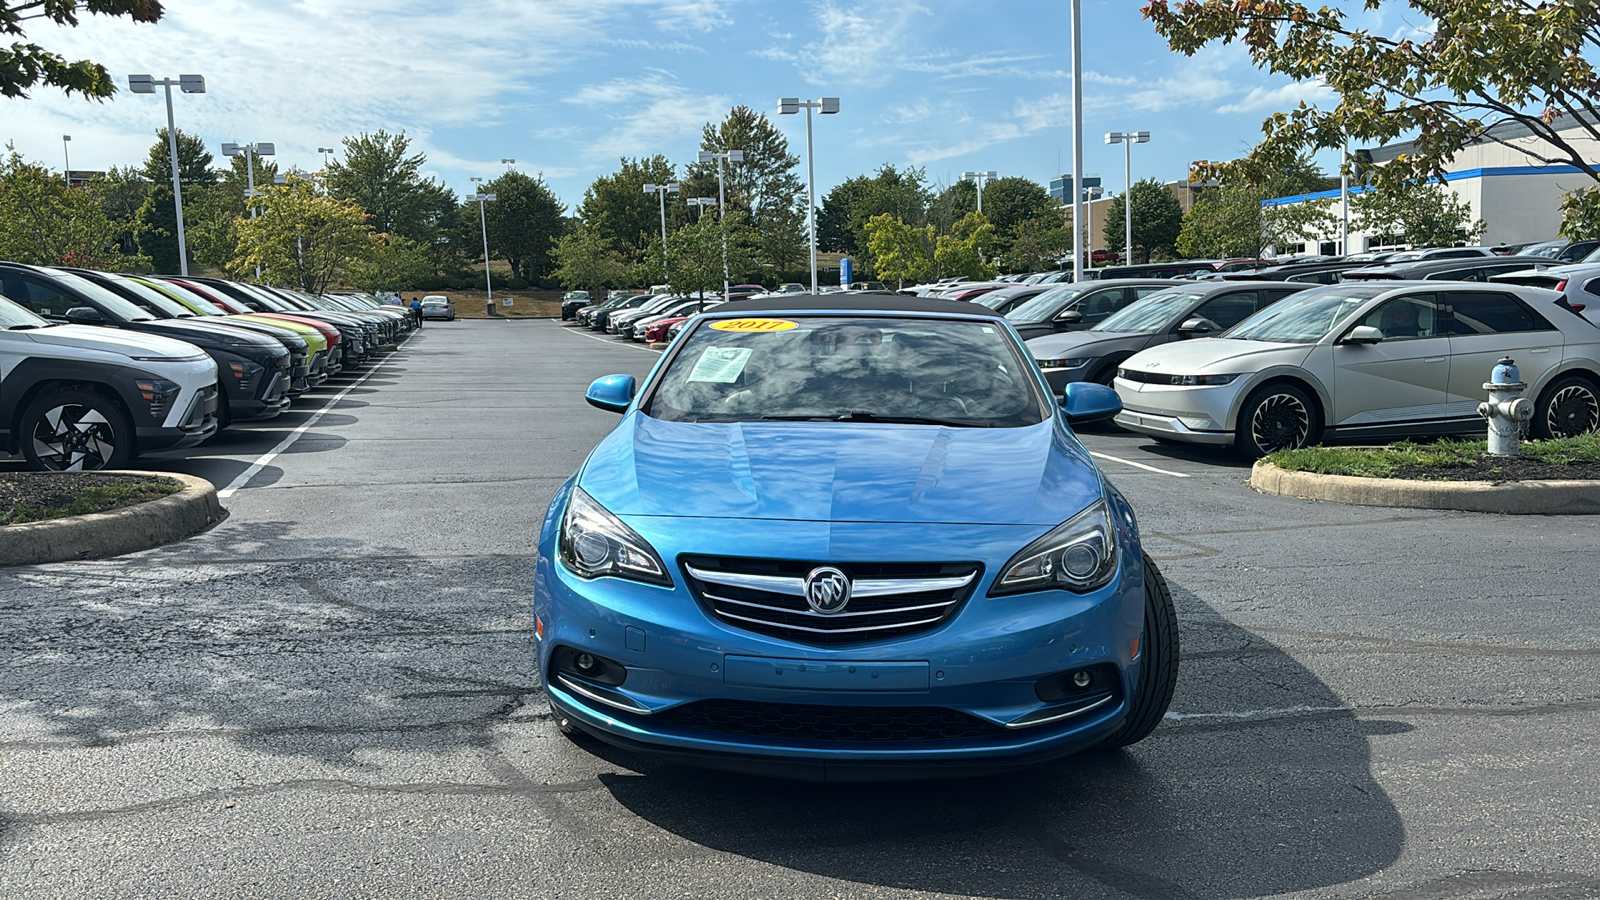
<point>1281,98</point>
<point>860,43</point>
<point>650,113</point>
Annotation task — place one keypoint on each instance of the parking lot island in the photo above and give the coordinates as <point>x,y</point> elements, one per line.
<point>113,533</point>
<point>1508,497</point>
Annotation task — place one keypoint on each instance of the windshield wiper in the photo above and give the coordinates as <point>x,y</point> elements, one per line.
<point>863,416</point>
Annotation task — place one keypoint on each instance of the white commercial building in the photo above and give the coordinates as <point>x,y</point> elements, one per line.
<point>1516,195</point>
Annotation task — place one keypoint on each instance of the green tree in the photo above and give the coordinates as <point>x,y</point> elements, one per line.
<point>694,252</point>
<point>1036,244</point>
<point>303,236</point>
<point>158,219</point>
<point>901,252</point>
<point>122,194</point>
<point>1580,214</point>
<point>833,218</point>
<point>525,220</point>
<point>1229,220</point>
<point>765,184</point>
<point>1480,62</point>
<point>44,222</point>
<point>381,175</point>
<point>22,66</point>
<point>586,262</point>
<point>393,263</point>
<point>960,251</point>
<point>1157,219</point>
<point>1422,215</point>
<point>619,211</point>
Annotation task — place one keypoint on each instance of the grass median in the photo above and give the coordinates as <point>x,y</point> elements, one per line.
<point>1575,458</point>
<point>39,496</point>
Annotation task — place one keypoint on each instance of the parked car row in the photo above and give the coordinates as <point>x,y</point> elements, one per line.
<point>97,368</point>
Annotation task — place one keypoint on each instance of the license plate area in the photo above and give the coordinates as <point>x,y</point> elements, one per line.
<point>811,675</point>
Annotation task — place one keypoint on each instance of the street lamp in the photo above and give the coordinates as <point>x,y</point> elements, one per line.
<point>1127,139</point>
<point>979,178</point>
<point>661,191</point>
<point>250,152</point>
<point>66,154</point>
<point>483,221</point>
<point>324,151</point>
<point>827,106</point>
<point>508,163</point>
<point>189,84</point>
<point>732,156</point>
<point>702,203</point>
<point>1076,20</point>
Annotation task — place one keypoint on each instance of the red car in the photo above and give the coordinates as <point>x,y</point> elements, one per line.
<point>658,330</point>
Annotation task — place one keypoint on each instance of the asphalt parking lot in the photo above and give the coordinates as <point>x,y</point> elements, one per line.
<point>331,693</point>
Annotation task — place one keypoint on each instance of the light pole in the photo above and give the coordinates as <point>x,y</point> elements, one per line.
<point>1127,139</point>
<point>1344,198</point>
<point>483,222</point>
<point>508,163</point>
<point>828,106</point>
<point>701,203</point>
<point>324,151</point>
<point>250,152</point>
<point>189,84</point>
<point>1077,140</point>
<point>299,240</point>
<point>979,178</point>
<point>732,156</point>
<point>66,155</point>
<point>661,191</point>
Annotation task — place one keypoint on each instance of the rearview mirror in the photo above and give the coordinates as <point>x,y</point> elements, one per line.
<point>1196,325</point>
<point>1085,401</point>
<point>1363,334</point>
<point>612,393</point>
<point>85,315</point>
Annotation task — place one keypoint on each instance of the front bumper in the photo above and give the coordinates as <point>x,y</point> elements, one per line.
<point>198,424</point>
<point>1196,415</point>
<point>984,662</point>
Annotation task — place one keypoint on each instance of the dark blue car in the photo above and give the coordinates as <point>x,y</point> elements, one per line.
<point>850,538</point>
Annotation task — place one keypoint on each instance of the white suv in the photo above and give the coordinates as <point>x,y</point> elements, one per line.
<point>78,398</point>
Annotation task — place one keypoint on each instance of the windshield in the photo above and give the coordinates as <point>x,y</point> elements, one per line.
<point>994,299</point>
<point>1149,314</point>
<point>19,317</point>
<point>856,368</point>
<point>193,300</point>
<point>1046,305</point>
<point>432,302</point>
<point>149,296</point>
<point>116,306</point>
<point>1304,318</point>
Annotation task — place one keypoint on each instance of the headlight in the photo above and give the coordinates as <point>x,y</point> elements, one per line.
<point>1064,363</point>
<point>1202,380</point>
<point>593,543</point>
<point>1079,555</point>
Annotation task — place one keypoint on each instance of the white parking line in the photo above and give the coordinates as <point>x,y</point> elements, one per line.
<point>609,343</point>
<point>1137,465</point>
<point>288,441</point>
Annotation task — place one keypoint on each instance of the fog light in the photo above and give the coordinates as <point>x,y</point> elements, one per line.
<point>585,663</point>
<point>1082,679</point>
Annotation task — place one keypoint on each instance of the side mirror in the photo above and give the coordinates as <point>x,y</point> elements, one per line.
<point>1196,325</point>
<point>612,393</point>
<point>1070,317</point>
<point>1363,334</point>
<point>85,315</point>
<point>1085,401</point>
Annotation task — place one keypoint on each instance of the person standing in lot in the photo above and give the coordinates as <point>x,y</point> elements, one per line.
<point>416,310</point>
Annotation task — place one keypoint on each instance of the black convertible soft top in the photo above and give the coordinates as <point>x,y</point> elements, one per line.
<point>853,300</point>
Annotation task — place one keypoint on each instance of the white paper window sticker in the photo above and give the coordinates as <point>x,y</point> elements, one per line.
<point>720,365</point>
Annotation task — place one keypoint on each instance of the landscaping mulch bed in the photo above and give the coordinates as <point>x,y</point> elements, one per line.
<point>1521,468</point>
<point>36,496</point>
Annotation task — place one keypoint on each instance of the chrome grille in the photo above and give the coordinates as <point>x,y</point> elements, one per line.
<point>887,600</point>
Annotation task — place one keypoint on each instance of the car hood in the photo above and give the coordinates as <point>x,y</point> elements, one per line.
<point>1201,356</point>
<point>127,343</point>
<point>1084,343</point>
<point>842,472</point>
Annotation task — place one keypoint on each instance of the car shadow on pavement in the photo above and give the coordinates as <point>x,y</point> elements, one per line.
<point>1228,799</point>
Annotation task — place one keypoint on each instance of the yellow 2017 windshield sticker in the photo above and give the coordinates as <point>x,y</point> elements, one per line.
<point>756,325</point>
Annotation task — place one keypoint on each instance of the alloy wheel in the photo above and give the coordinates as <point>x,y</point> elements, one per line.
<point>1280,422</point>
<point>74,438</point>
<point>1574,410</point>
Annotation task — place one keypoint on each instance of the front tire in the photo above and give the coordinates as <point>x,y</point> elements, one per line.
<point>1158,675</point>
<point>72,430</point>
<point>1276,417</point>
<point>1568,408</point>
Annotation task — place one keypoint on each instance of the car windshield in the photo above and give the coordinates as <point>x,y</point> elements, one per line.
<point>1149,314</point>
<point>112,303</point>
<point>856,368</point>
<point>1046,305</point>
<point>151,297</point>
<point>1304,318</point>
<point>193,300</point>
<point>18,317</point>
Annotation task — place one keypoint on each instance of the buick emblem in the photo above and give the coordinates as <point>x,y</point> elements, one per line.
<point>827,591</point>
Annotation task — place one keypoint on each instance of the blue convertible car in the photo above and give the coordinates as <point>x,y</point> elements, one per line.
<point>850,538</point>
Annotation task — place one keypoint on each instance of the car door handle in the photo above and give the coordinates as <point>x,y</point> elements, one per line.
<point>1540,350</point>
<point>1433,359</point>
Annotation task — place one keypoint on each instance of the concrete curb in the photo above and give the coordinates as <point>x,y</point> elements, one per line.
<point>126,530</point>
<point>1510,498</point>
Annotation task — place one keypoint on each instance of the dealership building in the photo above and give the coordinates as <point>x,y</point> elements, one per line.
<point>1516,195</point>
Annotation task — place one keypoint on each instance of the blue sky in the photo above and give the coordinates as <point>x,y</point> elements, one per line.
<point>565,87</point>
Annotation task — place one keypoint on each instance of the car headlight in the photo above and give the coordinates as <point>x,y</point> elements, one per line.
<point>593,543</point>
<point>1080,555</point>
<point>1064,363</point>
<point>1202,380</point>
